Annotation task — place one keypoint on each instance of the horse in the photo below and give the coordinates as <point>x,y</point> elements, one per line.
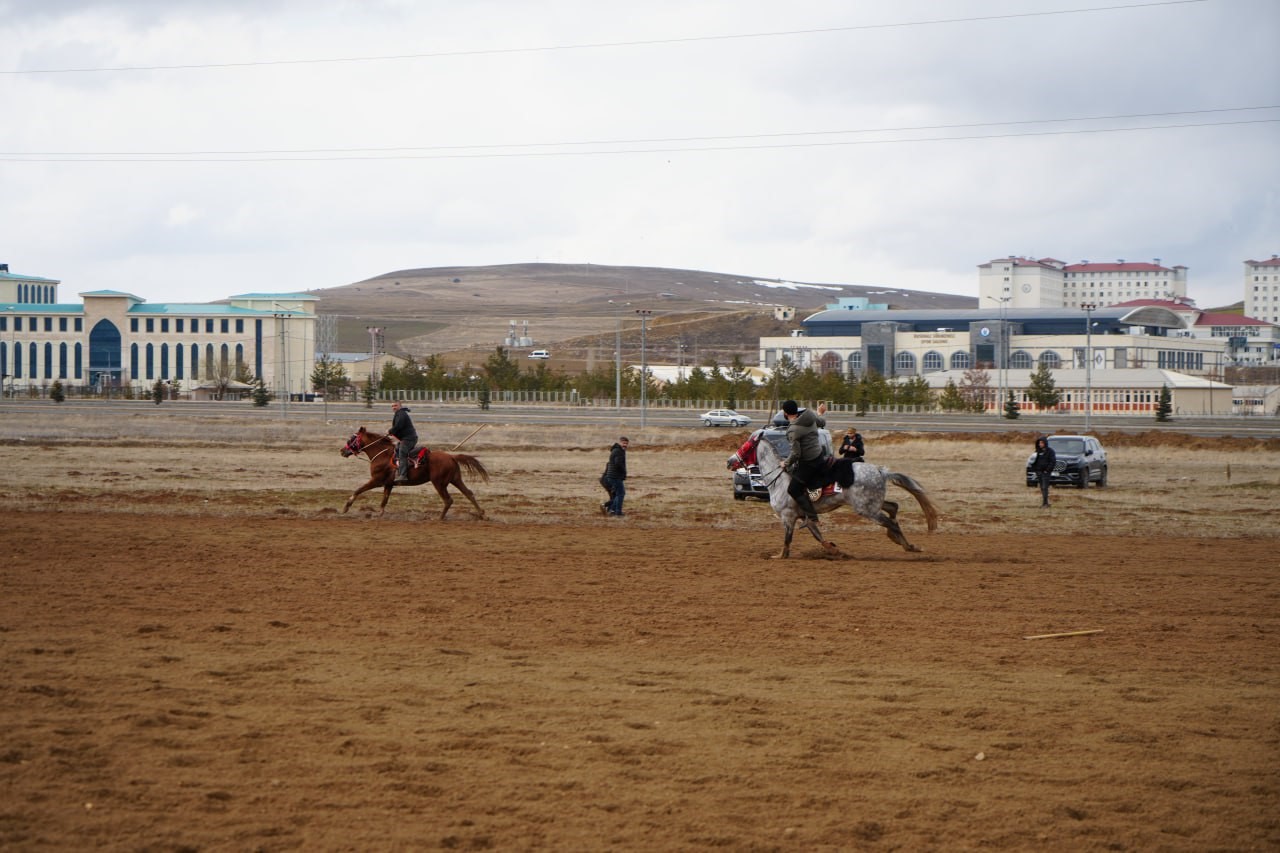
<point>441,469</point>
<point>865,495</point>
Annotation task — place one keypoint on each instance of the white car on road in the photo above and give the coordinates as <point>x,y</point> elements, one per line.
<point>723,417</point>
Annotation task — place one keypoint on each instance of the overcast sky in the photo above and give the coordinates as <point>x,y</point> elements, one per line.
<point>269,145</point>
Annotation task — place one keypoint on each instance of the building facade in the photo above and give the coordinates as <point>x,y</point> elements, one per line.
<point>115,340</point>
<point>1262,289</point>
<point>1049,283</point>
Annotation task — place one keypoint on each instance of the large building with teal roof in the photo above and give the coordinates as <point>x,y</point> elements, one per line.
<point>114,340</point>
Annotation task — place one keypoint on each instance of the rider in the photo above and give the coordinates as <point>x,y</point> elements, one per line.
<point>405,438</point>
<point>808,462</point>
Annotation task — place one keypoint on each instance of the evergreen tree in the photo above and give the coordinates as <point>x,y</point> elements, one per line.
<point>1164,405</point>
<point>157,392</point>
<point>951,400</point>
<point>1042,390</point>
<point>329,375</point>
<point>503,373</point>
<point>1011,409</point>
<point>914,392</point>
<point>261,396</point>
<point>369,393</point>
<point>56,393</point>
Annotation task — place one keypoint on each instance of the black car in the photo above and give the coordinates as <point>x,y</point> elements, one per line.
<point>1081,460</point>
<point>747,482</point>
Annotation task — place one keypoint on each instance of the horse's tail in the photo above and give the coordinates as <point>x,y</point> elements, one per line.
<point>471,465</point>
<point>917,491</point>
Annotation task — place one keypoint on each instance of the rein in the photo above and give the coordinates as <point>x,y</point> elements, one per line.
<point>360,448</point>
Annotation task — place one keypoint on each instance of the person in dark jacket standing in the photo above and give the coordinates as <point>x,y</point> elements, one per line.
<point>1043,466</point>
<point>405,437</point>
<point>851,447</point>
<point>615,472</point>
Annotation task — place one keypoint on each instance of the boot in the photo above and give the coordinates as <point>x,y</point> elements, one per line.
<point>402,474</point>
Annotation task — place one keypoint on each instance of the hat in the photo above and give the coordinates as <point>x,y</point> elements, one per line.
<point>790,407</point>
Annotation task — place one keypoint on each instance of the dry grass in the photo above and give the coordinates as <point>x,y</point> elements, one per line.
<point>236,465</point>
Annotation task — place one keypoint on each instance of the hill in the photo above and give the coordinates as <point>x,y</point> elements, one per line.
<point>462,313</point>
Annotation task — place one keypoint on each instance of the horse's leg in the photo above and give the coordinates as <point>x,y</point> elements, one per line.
<point>376,481</point>
<point>890,509</point>
<point>442,489</point>
<point>467,493</point>
<point>891,527</point>
<point>386,496</point>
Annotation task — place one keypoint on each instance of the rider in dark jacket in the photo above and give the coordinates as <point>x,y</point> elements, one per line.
<point>1042,466</point>
<point>851,447</point>
<point>406,438</point>
<point>808,461</point>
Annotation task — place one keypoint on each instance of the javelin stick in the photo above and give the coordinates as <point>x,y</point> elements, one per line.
<point>468,438</point>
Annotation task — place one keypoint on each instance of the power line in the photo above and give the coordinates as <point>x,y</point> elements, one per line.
<point>615,152</point>
<point>601,45</point>
<point>649,141</point>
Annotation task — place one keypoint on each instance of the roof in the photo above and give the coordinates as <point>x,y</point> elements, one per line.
<point>111,293</point>
<point>306,296</point>
<point>1073,377</point>
<point>38,308</point>
<point>187,309</point>
<point>1273,261</point>
<point>1118,266</point>
<point>1224,319</point>
<point>13,276</point>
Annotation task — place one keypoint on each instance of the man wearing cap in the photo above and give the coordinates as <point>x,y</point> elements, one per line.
<point>405,438</point>
<point>807,462</point>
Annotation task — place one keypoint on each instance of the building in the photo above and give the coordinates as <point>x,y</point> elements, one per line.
<point>1262,289</point>
<point>116,340</point>
<point>1136,347</point>
<point>1048,283</point>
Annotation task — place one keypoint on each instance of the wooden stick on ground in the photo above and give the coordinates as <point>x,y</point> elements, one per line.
<point>1063,634</point>
<point>468,438</point>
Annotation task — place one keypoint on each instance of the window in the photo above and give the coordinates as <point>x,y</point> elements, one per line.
<point>133,327</point>
<point>932,360</point>
<point>62,324</point>
<point>1020,360</point>
<point>854,361</point>
<point>79,328</point>
<point>225,326</point>
<point>48,324</point>
<point>904,362</point>
<point>1051,359</point>
<point>239,326</point>
<point>164,324</point>
<point>62,361</point>
<point>178,325</point>
<point>151,327</point>
<point>208,326</point>
<point>961,361</point>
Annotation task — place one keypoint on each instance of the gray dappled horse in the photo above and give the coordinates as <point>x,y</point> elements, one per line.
<point>865,495</point>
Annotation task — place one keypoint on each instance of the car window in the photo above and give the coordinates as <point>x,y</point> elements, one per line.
<point>1067,445</point>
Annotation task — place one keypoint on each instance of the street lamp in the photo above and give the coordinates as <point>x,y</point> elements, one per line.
<point>1088,308</point>
<point>12,365</point>
<point>617,352</point>
<point>284,358</point>
<point>1002,355</point>
<point>644,364</point>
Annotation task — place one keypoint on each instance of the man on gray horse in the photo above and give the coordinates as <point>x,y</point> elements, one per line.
<point>808,462</point>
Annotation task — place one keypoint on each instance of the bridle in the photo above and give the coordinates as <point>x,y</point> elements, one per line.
<point>353,444</point>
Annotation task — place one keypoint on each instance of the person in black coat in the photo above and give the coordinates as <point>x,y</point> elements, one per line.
<point>405,437</point>
<point>851,447</point>
<point>615,473</point>
<point>1042,466</point>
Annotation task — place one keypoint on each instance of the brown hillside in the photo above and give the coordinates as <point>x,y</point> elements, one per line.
<point>465,312</point>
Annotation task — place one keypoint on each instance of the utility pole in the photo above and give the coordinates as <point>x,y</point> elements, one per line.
<point>1088,308</point>
<point>644,313</point>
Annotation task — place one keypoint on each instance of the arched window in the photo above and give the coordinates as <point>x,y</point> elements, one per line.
<point>1020,360</point>
<point>151,361</point>
<point>4,359</point>
<point>932,361</point>
<point>104,354</point>
<point>177,353</point>
<point>79,374</point>
<point>210,372</point>
<point>133,361</point>
<point>904,362</point>
<point>1051,359</point>
<point>961,361</point>
<point>62,361</point>
<point>854,361</point>
<point>164,361</point>
<point>195,361</point>
<point>17,361</point>
<point>48,361</point>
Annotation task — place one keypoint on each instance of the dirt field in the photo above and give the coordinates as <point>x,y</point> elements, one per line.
<point>202,653</point>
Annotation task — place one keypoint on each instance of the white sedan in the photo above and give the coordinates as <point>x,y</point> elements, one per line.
<point>724,417</point>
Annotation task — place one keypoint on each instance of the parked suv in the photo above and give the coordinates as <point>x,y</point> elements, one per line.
<point>1081,460</point>
<point>747,482</point>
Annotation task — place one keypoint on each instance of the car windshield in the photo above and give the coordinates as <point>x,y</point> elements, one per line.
<point>779,442</point>
<point>1074,446</point>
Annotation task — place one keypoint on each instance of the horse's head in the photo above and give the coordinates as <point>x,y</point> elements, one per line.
<point>356,443</point>
<point>746,454</point>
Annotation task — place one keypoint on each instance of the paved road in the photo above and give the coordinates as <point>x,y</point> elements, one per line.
<point>551,415</point>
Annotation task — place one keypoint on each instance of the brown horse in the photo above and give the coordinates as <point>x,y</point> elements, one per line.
<point>441,469</point>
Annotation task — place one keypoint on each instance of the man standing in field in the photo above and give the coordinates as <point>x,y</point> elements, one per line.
<point>615,472</point>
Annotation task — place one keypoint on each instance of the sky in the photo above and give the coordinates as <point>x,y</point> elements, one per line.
<point>189,150</point>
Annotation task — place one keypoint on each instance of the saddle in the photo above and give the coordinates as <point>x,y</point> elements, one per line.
<point>419,457</point>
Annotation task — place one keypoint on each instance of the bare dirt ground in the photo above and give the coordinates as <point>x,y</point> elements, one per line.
<point>202,653</point>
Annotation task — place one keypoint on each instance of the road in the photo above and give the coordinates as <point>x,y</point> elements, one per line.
<point>630,417</point>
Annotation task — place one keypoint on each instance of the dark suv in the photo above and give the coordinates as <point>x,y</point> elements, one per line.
<point>747,482</point>
<point>1081,460</point>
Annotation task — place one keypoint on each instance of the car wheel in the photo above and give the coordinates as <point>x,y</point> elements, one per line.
<point>1102,481</point>
<point>738,496</point>
<point>734,424</point>
<point>1084,478</point>
<point>707,422</point>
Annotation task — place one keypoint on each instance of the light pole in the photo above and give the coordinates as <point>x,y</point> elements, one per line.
<point>284,359</point>
<point>617,352</point>
<point>1002,353</point>
<point>644,364</point>
<point>1088,308</point>
<point>12,365</point>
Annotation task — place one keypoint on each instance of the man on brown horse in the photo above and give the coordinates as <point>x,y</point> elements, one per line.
<point>405,437</point>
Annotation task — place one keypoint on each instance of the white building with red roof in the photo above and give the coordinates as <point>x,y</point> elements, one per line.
<point>1020,282</point>
<point>1248,340</point>
<point>1262,289</point>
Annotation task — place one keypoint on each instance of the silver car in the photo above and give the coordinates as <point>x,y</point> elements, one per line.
<point>723,417</point>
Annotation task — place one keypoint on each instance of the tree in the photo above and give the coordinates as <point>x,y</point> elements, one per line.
<point>1011,408</point>
<point>328,375</point>
<point>951,400</point>
<point>157,392</point>
<point>56,394</point>
<point>975,385</point>
<point>1164,405</point>
<point>261,396</point>
<point>914,392</point>
<point>503,373</point>
<point>738,378</point>
<point>369,393</point>
<point>1042,390</point>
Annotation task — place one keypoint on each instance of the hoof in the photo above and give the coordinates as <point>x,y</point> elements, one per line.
<point>830,547</point>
